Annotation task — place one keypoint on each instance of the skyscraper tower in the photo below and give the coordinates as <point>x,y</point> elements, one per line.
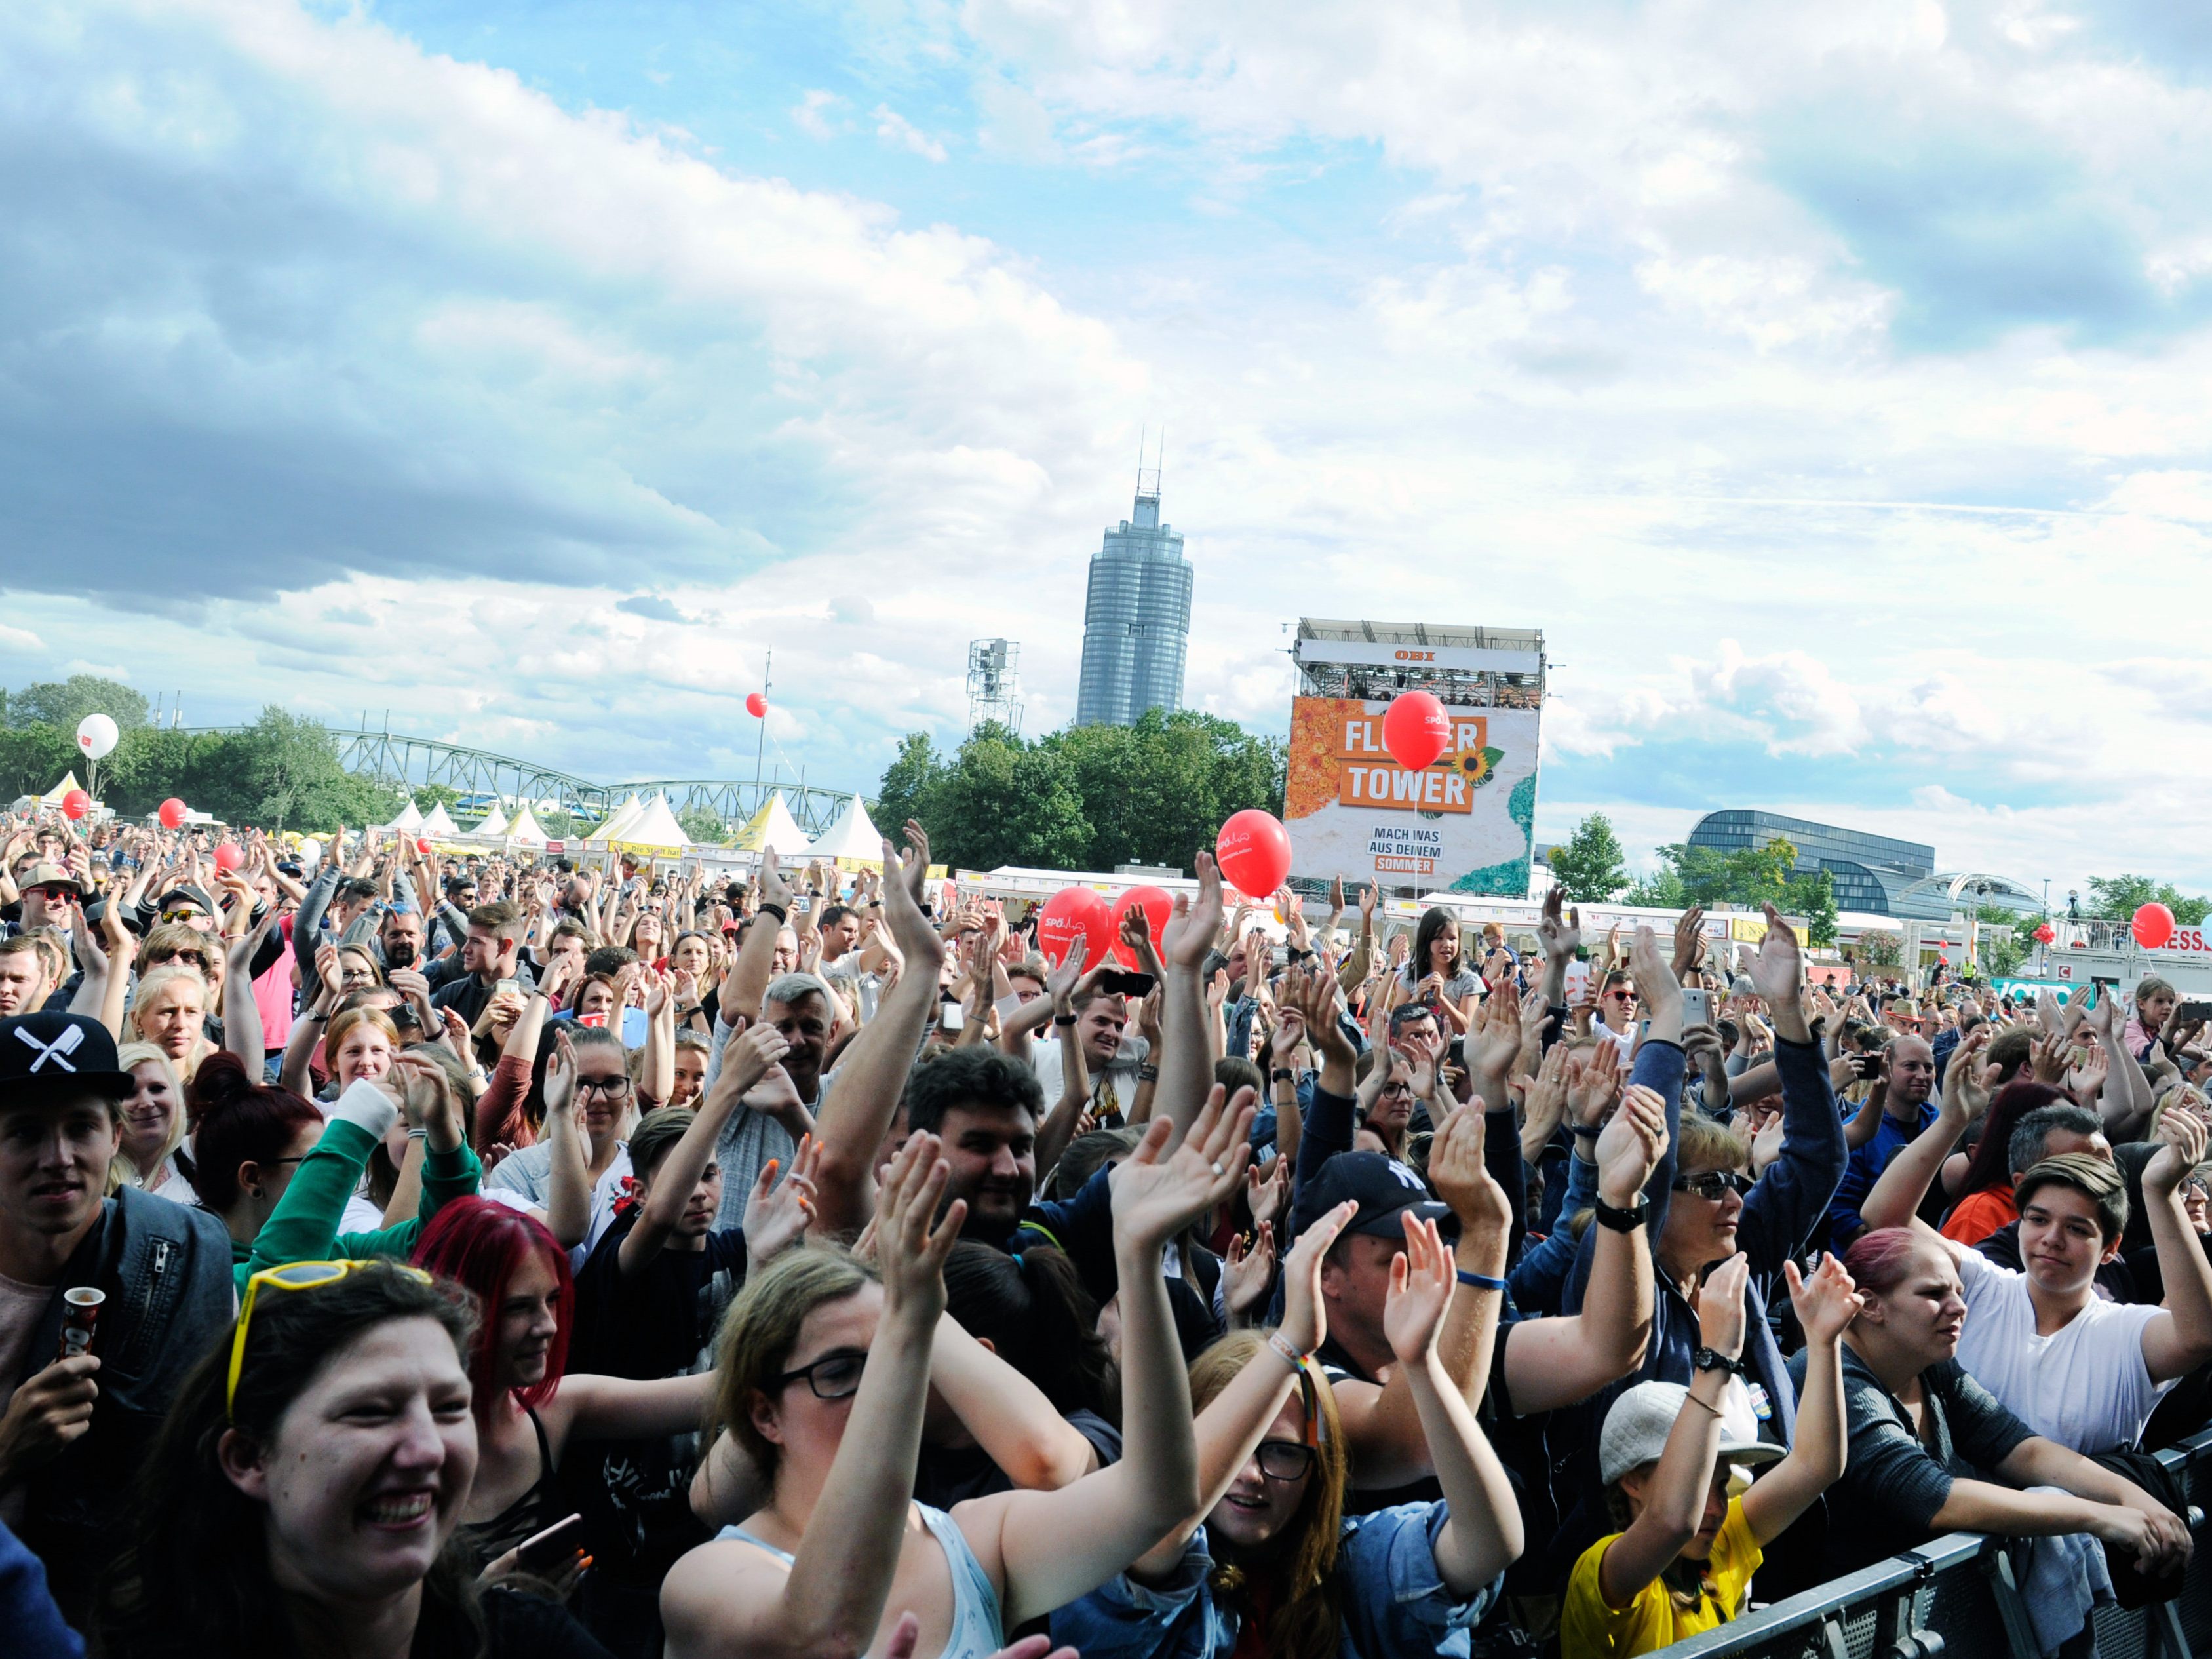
<point>1136,623</point>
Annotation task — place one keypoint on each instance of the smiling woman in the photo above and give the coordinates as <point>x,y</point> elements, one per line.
<point>320,1492</point>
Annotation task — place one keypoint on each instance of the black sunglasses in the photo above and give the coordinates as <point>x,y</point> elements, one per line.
<point>1285,1460</point>
<point>832,1376</point>
<point>1713,1185</point>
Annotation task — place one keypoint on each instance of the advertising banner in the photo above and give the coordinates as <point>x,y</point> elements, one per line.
<point>1465,823</point>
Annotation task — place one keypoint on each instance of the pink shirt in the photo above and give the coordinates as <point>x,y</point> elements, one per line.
<point>272,995</point>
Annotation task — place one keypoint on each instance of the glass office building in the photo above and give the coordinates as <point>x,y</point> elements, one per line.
<point>1136,623</point>
<point>1871,872</point>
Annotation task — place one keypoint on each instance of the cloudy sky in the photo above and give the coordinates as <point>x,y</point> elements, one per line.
<point>1827,383</point>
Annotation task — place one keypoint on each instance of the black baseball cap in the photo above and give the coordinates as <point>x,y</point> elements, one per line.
<point>46,1057</point>
<point>1383,1188</point>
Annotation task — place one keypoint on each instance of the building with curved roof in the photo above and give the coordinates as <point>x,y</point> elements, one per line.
<point>1873,875</point>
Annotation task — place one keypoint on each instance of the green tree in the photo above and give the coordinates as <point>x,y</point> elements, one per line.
<point>282,772</point>
<point>1589,866</point>
<point>701,825</point>
<point>2004,940</point>
<point>1661,890</point>
<point>1814,897</point>
<point>33,759</point>
<point>62,703</point>
<point>2118,898</point>
<point>1880,948</point>
<point>559,826</point>
<point>907,781</point>
<point>1002,802</point>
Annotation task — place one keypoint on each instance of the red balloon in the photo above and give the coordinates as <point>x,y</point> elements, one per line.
<point>76,804</point>
<point>756,706</point>
<point>228,857</point>
<point>1253,851</point>
<point>2153,926</point>
<point>423,846</point>
<point>1073,914</point>
<point>171,813</point>
<point>2045,934</point>
<point>1157,907</point>
<point>1416,730</point>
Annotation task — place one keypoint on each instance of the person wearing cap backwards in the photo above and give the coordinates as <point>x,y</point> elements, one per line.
<point>73,1433</point>
<point>1683,1559</point>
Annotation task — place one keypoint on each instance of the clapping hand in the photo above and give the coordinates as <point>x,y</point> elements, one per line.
<point>1827,1303</point>
<point>778,1214</point>
<point>1267,1193</point>
<point>1631,1146</point>
<point>2181,1137</point>
<point>1559,930</point>
<point>1421,1283</point>
<point>910,1254</point>
<point>1250,1273</point>
<point>1305,1319</point>
<point>1158,1193</point>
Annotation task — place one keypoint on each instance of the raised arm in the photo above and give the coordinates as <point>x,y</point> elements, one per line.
<point>1054,1546</point>
<point>855,1118</point>
<point>1059,1126</point>
<point>241,1014</point>
<point>2179,1340</point>
<point>569,1171</point>
<point>1826,1305</point>
<point>1484,1534</point>
<point>746,984</point>
<point>1895,1200</point>
<point>744,1062</point>
<point>1794,1193</point>
<point>833,1599</point>
<point>1188,1066</point>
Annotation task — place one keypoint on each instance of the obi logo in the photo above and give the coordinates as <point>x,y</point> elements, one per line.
<point>1416,656</point>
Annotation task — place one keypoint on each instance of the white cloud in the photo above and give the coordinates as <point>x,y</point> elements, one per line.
<point>816,114</point>
<point>894,129</point>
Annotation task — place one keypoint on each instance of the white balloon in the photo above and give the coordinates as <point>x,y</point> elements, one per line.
<point>96,735</point>
<point>311,850</point>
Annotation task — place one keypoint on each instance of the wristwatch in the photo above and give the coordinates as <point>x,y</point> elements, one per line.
<point>1282,1074</point>
<point>1621,1221</point>
<point>1713,1359</point>
<point>1148,1075</point>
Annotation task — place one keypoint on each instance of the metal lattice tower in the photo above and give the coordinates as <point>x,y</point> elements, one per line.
<point>994,683</point>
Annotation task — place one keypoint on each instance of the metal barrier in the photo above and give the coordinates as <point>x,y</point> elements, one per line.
<point>1956,1597</point>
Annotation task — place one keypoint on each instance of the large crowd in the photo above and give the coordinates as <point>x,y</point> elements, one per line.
<point>409,1254</point>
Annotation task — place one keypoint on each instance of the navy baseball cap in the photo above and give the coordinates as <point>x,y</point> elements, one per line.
<point>1383,1188</point>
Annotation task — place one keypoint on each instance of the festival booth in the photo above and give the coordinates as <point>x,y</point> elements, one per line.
<point>770,830</point>
<point>612,826</point>
<point>56,799</point>
<point>523,830</point>
<point>652,832</point>
<point>492,826</point>
<point>408,821</point>
<point>851,843</point>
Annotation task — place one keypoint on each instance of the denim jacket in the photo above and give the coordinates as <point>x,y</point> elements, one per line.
<point>1395,1604</point>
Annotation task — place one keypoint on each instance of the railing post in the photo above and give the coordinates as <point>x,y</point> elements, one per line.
<point>2020,1629</point>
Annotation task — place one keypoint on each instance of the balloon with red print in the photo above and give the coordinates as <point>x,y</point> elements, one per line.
<point>171,813</point>
<point>1253,851</point>
<point>2153,926</point>
<point>1157,907</point>
<point>756,706</point>
<point>1076,916</point>
<point>97,736</point>
<point>1416,730</point>
<point>229,856</point>
<point>76,804</point>
<point>2044,933</point>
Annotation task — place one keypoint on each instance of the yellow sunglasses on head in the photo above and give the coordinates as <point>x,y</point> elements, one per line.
<point>294,1276</point>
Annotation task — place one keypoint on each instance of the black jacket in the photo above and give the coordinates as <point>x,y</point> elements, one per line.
<point>167,1270</point>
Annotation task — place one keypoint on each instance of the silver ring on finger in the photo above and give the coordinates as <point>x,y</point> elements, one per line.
<point>1217,1166</point>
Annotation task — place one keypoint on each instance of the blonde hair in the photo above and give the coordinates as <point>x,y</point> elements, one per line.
<point>1308,1617</point>
<point>129,1058</point>
<point>1702,1144</point>
<point>342,1027</point>
<point>753,1348</point>
<point>157,986</point>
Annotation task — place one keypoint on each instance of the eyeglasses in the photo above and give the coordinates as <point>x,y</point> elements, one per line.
<point>1621,996</point>
<point>292,1276</point>
<point>2198,1185</point>
<point>1713,1185</point>
<point>1284,1460</point>
<point>198,958</point>
<point>187,914</point>
<point>617,1084</point>
<point>832,1376</point>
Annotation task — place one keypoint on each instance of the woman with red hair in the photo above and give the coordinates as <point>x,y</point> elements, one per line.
<point>526,1410</point>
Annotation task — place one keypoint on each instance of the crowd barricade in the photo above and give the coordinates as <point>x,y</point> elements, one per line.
<point>1957,1597</point>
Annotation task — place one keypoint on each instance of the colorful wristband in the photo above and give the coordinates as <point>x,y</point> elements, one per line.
<point>1480,1281</point>
<point>1289,1355</point>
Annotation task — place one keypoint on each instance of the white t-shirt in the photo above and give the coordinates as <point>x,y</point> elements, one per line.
<point>2087,1387</point>
<point>1116,1087</point>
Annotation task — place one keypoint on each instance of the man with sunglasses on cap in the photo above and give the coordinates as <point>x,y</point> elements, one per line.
<point>46,890</point>
<point>74,1431</point>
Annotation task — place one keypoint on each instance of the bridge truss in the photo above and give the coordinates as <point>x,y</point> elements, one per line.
<point>417,763</point>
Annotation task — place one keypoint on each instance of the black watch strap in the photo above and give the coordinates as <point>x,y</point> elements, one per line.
<point>1621,1221</point>
<point>1713,1359</point>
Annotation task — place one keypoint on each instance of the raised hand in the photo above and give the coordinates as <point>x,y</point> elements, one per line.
<point>1191,930</point>
<point>1457,1171</point>
<point>561,1077</point>
<point>1250,1273</point>
<point>1267,1194</point>
<point>2100,1015</point>
<point>1689,939</point>
<point>910,1253</point>
<point>1137,934</point>
<point>1778,967</point>
<point>1290,1031</point>
<point>1559,930</point>
<point>1421,1290</point>
<point>2088,1077</point>
<point>2181,1137</point>
<point>1720,1306</point>
<point>1158,1193</point>
<point>777,1216</point>
<point>1631,1146</point>
<point>1305,1318</point>
<point>1963,1083</point>
<point>747,1057</point>
<point>1827,1303</point>
<point>1593,1081</point>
